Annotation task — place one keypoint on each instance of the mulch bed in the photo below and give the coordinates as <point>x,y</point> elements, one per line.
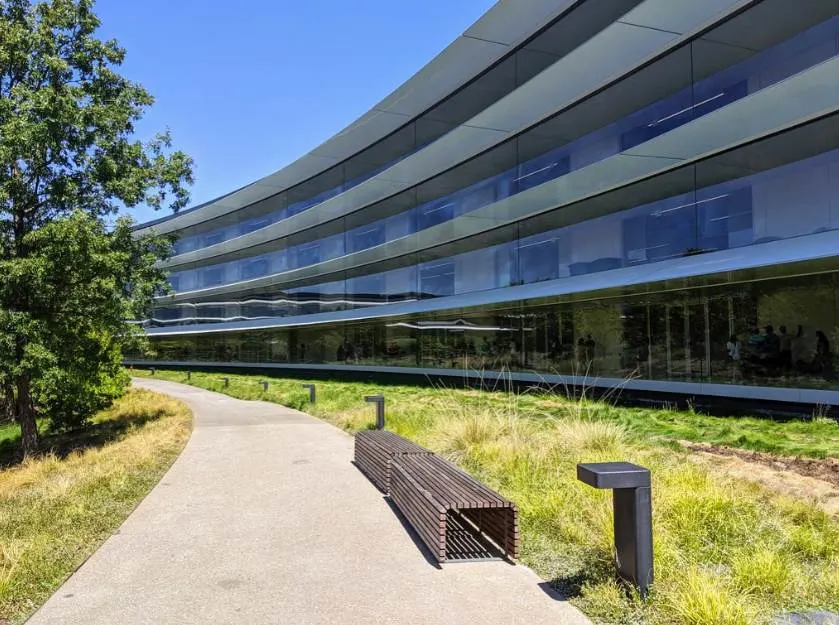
<point>822,469</point>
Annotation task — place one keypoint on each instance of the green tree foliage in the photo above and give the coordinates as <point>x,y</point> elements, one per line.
<point>71,275</point>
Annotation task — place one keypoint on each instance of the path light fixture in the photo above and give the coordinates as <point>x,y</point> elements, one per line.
<point>632,502</point>
<point>379,400</point>
<point>312,392</point>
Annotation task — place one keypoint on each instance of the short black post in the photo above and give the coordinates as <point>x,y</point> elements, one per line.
<point>188,375</point>
<point>152,370</point>
<point>226,382</point>
<point>264,384</point>
<point>632,503</point>
<point>379,400</point>
<point>312,392</point>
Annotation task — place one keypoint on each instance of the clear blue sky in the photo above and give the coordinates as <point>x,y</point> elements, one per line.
<point>247,87</point>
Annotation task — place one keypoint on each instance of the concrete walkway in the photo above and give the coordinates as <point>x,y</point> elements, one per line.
<point>263,520</point>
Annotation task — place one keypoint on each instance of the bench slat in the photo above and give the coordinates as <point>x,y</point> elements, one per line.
<point>466,483</point>
<point>438,499</point>
<point>451,485</point>
<point>427,518</point>
<point>374,451</point>
<point>435,485</point>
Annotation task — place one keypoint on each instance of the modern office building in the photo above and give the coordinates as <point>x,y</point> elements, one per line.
<point>623,193</point>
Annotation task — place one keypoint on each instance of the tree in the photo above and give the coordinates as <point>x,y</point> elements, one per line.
<point>69,278</point>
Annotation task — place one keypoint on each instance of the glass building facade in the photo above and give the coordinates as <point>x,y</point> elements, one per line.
<point>642,193</point>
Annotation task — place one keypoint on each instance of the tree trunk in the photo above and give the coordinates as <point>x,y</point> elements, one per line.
<point>25,416</point>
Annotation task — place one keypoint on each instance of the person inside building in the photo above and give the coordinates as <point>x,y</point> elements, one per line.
<point>785,357</point>
<point>771,346</point>
<point>800,355</point>
<point>732,353</point>
<point>732,348</point>
<point>590,345</point>
<point>824,358</point>
<point>581,352</point>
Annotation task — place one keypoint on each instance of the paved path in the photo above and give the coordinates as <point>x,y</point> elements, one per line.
<point>263,520</point>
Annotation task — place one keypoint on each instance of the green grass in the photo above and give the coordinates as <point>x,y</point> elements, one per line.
<point>57,509</point>
<point>8,432</point>
<point>727,552</point>
<point>817,438</point>
<point>814,438</point>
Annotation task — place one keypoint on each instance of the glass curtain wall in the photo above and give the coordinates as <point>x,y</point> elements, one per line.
<point>790,201</point>
<point>762,70</point>
<point>780,332</point>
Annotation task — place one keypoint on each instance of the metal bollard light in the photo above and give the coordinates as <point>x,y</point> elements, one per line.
<point>151,370</point>
<point>632,503</point>
<point>226,382</point>
<point>379,400</point>
<point>312,392</point>
<point>188,375</point>
<point>264,384</point>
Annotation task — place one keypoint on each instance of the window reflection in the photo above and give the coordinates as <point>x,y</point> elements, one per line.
<point>760,71</point>
<point>781,332</point>
<point>748,211</point>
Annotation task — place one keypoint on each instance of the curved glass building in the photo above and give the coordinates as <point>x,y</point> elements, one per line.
<point>619,193</point>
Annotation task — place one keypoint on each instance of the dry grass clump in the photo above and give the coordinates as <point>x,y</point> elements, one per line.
<point>701,598</point>
<point>352,419</point>
<point>55,511</point>
<point>600,437</point>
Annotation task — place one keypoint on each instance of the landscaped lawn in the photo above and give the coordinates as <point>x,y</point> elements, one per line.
<point>8,432</point>
<point>56,510</point>
<point>818,438</point>
<point>727,552</point>
<point>10,441</point>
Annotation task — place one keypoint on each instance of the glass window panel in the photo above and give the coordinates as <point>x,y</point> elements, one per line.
<point>437,278</point>
<point>401,284</point>
<point>781,332</point>
<point>255,267</point>
<point>212,276</point>
<point>366,236</point>
<point>367,290</point>
<point>539,257</point>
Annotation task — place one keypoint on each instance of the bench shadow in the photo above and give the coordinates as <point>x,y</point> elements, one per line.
<point>62,444</point>
<point>406,525</point>
<point>412,534</point>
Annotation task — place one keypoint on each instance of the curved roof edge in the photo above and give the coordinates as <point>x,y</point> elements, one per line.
<point>505,26</point>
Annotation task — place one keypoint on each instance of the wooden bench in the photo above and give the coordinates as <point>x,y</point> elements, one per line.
<point>376,449</point>
<point>449,509</point>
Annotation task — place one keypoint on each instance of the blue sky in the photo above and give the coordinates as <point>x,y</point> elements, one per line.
<point>247,87</point>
